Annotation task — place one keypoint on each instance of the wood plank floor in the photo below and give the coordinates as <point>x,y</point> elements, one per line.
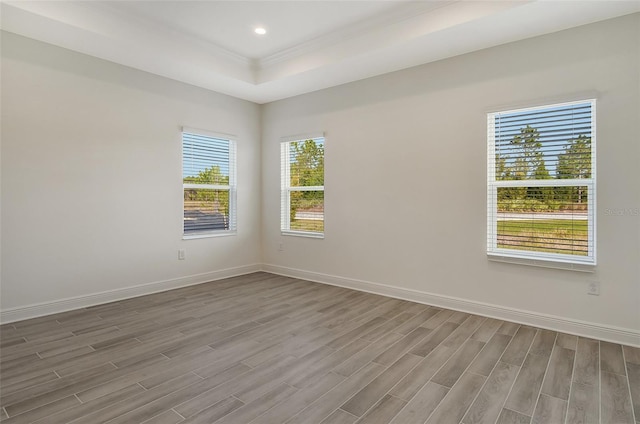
<point>265,349</point>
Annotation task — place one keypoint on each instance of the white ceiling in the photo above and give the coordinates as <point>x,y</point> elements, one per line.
<point>231,24</point>
<point>310,45</point>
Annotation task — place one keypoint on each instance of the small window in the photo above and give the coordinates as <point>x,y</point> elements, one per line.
<point>302,187</point>
<point>209,184</point>
<point>541,183</point>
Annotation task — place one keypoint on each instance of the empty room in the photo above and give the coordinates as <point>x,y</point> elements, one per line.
<point>306,212</point>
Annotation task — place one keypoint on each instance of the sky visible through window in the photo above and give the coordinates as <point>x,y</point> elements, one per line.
<point>200,153</point>
<point>554,128</point>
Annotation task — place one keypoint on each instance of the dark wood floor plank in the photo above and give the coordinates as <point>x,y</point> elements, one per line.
<point>526,388</point>
<point>323,406</point>
<point>403,345</point>
<point>250,411</point>
<point>615,398</point>
<point>519,346</point>
<point>557,382</point>
<point>631,354</point>
<point>422,404</point>
<point>390,325</point>
<point>490,354</point>
<point>383,411</point>
<point>214,412</point>
<point>584,404</point>
<point>432,341</point>
<point>96,405</point>
<point>147,399</point>
<point>508,328</point>
<point>300,400</point>
<point>437,320</point>
<point>44,410</point>
<point>485,332</point>
<point>340,417</point>
<point>455,404</point>
<point>363,357</point>
<point>348,337</point>
<point>123,377</point>
<point>417,321</point>
<point>213,389</point>
<point>567,341</point>
<point>371,393</point>
<point>458,317</point>
<point>7,389</point>
<point>199,396</point>
<point>167,417</point>
<point>449,374</point>
<point>633,374</point>
<point>508,416</point>
<point>321,367</point>
<point>42,394</point>
<point>422,373</point>
<point>543,342</point>
<point>487,406</point>
<point>611,359</point>
<point>587,366</point>
<point>549,410</point>
<point>464,331</point>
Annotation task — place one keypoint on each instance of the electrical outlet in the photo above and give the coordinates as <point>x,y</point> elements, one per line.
<point>281,247</point>
<point>182,254</point>
<point>594,288</point>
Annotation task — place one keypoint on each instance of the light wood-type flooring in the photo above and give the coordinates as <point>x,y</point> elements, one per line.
<point>266,349</point>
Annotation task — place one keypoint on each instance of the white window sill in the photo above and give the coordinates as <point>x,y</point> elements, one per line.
<point>307,234</point>
<point>541,262</point>
<point>208,235</point>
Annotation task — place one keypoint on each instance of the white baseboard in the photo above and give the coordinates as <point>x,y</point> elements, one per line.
<point>581,328</point>
<point>63,305</point>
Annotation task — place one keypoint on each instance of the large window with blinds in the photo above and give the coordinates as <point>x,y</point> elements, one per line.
<point>541,183</point>
<point>302,186</point>
<point>209,184</point>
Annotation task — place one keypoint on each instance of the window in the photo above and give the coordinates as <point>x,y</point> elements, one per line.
<point>209,184</point>
<point>302,187</point>
<point>541,183</point>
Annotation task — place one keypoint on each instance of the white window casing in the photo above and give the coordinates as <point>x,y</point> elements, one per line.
<point>541,185</point>
<point>302,185</point>
<point>209,184</point>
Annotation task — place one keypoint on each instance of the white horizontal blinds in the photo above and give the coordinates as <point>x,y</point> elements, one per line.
<point>548,143</point>
<point>541,182</point>
<point>302,185</point>
<point>208,175</point>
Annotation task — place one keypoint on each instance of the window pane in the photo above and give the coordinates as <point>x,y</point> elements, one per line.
<point>205,210</point>
<point>546,143</point>
<point>544,219</point>
<point>306,163</point>
<point>205,160</point>
<point>307,211</point>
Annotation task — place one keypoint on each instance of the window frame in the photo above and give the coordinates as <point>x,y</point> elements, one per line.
<point>286,188</point>
<point>231,187</point>
<point>531,257</point>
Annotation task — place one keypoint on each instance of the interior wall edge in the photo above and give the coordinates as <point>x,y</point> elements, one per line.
<point>63,305</point>
<point>607,333</point>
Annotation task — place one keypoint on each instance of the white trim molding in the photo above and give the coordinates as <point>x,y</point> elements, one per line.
<point>608,333</point>
<point>571,326</point>
<point>78,302</point>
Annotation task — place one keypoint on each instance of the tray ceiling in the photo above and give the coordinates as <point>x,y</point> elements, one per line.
<point>309,45</point>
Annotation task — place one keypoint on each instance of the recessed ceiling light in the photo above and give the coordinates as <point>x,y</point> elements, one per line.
<point>260,31</point>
